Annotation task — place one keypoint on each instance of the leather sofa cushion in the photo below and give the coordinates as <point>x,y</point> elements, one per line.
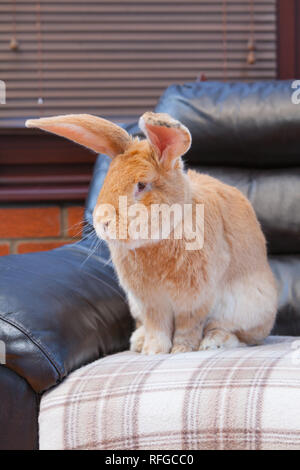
<point>286,269</point>
<point>60,310</point>
<point>275,196</point>
<point>237,124</point>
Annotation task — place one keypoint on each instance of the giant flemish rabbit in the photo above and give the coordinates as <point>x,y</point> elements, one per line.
<point>221,294</point>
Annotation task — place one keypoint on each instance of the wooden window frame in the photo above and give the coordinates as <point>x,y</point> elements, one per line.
<point>39,167</point>
<point>288,39</point>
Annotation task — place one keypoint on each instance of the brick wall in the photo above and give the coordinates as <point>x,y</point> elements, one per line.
<point>24,229</point>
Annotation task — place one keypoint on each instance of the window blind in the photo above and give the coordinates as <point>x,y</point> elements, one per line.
<point>114,58</point>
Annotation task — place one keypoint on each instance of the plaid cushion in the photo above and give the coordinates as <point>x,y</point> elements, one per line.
<point>245,398</point>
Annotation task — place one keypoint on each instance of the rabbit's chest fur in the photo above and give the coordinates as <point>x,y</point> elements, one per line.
<point>167,270</point>
<point>163,268</point>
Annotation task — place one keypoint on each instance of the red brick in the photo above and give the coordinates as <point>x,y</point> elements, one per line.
<point>37,222</point>
<point>75,221</point>
<point>4,249</point>
<point>30,247</point>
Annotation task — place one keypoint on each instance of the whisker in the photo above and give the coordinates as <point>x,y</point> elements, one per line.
<point>92,252</point>
<point>90,235</point>
<point>123,297</point>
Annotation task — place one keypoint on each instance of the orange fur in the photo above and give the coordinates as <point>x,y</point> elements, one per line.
<point>84,129</point>
<point>184,300</point>
<point>175,289</point>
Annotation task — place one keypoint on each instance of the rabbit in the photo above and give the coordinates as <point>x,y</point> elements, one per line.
<point>220,295</point>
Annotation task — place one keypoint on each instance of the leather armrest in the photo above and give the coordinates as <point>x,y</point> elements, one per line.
<point>60,310</point>
<point>19,407</point>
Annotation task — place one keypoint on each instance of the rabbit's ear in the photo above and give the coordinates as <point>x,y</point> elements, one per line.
<point>91,131</point>
<point>170,138</point>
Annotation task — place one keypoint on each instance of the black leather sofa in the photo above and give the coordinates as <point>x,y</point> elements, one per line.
<point>62,309</point>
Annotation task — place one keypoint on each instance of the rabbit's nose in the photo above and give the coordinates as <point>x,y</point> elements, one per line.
<point>105,225</point>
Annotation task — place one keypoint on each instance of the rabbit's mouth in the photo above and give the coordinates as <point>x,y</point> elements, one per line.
<point>129,243</point>
<point>117,237</point>
<point>135,227</point>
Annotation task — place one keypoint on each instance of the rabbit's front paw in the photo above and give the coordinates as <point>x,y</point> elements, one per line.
<point>219,339</point>
<point>181,348</point>
<point>137,339</point>
<point>157,345</point>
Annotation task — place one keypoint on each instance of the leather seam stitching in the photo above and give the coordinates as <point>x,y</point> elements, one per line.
<point>37,343</point>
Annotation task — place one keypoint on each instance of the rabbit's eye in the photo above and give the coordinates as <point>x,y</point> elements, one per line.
<point>141,186</point>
